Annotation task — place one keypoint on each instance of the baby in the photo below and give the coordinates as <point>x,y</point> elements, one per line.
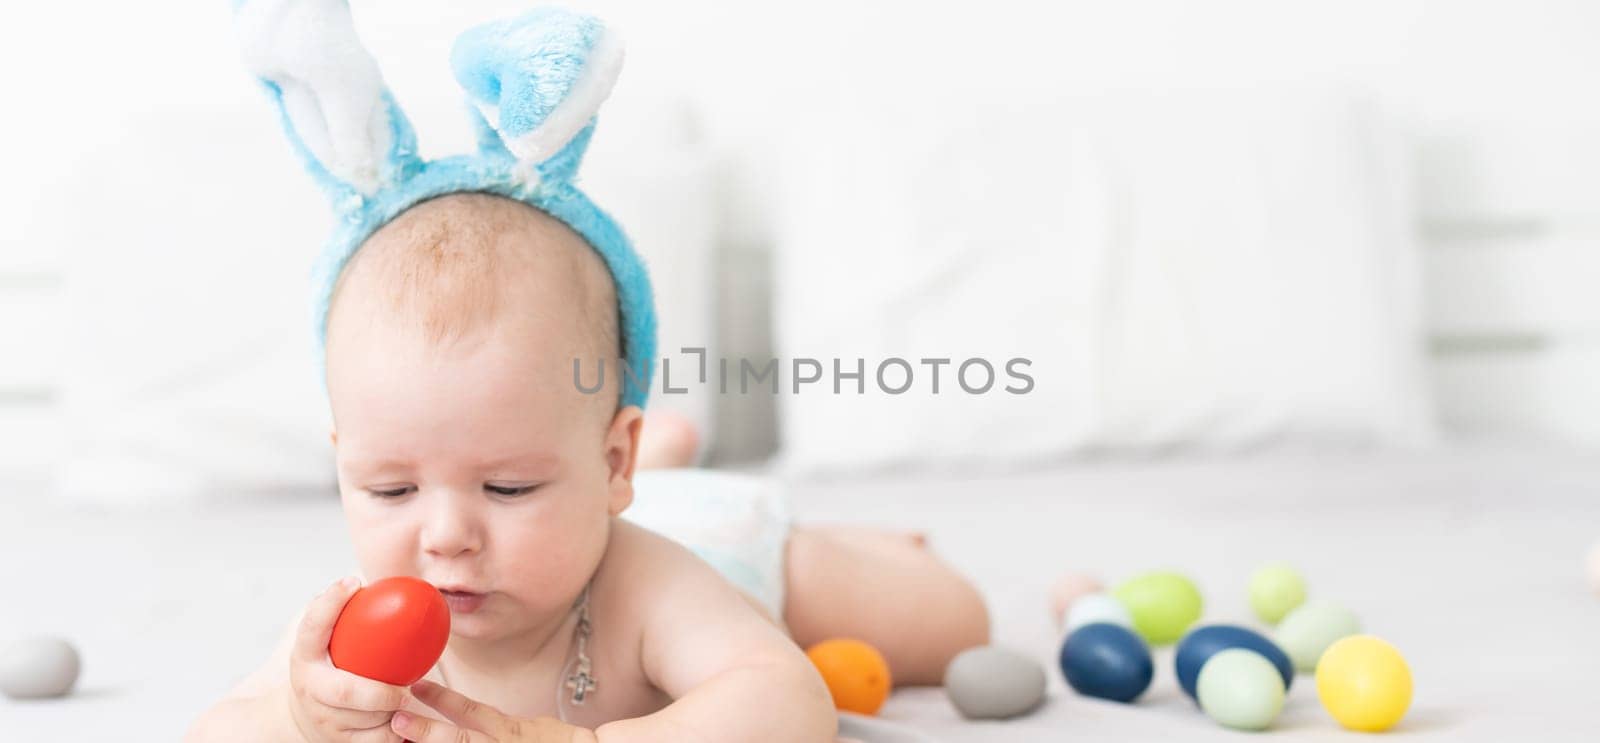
<point>468,457</point>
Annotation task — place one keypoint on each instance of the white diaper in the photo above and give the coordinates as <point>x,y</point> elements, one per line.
<point>737,523</point>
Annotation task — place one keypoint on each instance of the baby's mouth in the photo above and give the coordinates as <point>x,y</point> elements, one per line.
<point>462,602</point>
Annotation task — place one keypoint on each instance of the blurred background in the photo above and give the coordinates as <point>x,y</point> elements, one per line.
<point>1296,280</point>
<point>1212,226</point>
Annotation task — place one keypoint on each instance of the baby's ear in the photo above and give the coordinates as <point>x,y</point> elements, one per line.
<point>622,453</point>
<point>339,115</point>
<point>537,81</point>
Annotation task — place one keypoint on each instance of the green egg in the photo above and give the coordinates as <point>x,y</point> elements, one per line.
<point>1163,605</point>
<point>1307,631</point>
<point>1275,590</point>
<point>1240,689</point>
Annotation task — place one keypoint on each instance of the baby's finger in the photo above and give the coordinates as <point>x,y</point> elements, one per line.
<point>372,724</point>
<point>458,708</point>
<point>316,625</point>
<point>419,729</point>
<point>345,690</point>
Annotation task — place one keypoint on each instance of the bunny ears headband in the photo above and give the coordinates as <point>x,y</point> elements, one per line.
<point>534,82</point>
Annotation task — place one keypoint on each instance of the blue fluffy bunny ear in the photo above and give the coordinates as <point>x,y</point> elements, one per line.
<point>341,118</point>
<point>536,82</point>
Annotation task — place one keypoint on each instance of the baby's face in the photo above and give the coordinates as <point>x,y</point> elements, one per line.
<point>478,466</point>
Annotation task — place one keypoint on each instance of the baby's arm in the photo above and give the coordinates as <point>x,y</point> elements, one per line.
<point>734,675</point>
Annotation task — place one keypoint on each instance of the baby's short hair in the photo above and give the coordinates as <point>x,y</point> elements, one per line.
<point>456,264</point>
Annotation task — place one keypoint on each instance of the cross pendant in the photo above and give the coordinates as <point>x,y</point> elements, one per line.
<point>581,684</point>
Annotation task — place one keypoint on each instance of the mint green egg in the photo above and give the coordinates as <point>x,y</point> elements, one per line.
<point>1240,689</point>
<point>1275,590</point>
<point>1309,630</point>
<point>1163,605</point>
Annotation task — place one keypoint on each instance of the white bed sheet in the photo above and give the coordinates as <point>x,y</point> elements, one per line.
<point>1469,561</point>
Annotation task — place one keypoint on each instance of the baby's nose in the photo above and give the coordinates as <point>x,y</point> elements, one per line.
<point>451,528</point>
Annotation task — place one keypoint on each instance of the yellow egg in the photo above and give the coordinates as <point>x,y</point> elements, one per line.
<point>1364,683</point>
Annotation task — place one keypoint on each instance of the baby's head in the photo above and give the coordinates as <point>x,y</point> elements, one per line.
<point>467,454</point>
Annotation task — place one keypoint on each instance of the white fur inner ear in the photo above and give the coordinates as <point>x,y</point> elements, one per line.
<point>583,100</point>
<point>331,87</point>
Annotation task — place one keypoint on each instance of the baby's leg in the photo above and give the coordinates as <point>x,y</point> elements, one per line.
<point>884,588</point>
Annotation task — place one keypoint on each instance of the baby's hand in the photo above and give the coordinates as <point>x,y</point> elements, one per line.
<point>474,722</point>
<point>329,704</point>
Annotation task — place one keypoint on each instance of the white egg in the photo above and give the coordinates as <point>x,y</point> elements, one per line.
<point>38,667</point>
<point>1095,608</point>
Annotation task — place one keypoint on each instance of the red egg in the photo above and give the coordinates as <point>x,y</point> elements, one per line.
<point>392,631</point>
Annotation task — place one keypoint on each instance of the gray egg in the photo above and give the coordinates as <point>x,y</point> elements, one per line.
<point>992,682</point>
<point>38,667</point>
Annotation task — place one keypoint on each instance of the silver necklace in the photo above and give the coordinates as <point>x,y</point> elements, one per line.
<point>577,673</point>
<point>581,679</point>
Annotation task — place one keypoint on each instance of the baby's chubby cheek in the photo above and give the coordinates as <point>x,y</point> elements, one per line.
<point>549,560</point>
<point>383,546</point>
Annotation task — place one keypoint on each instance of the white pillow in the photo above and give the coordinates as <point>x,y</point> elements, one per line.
<point>1205,270</point>
<point>897,239</point>
<point>188,365</point>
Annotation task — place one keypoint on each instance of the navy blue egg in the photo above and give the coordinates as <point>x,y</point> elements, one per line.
<point>1199,645</point>
<point>1107,661</point>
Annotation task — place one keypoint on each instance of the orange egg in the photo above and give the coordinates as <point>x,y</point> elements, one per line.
<point>856,674</point>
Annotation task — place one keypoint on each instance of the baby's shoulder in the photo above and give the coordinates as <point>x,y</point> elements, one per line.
<point>652,573</point>
<point>649,586</point>
<point>681,619</point>
<point>640,558</point>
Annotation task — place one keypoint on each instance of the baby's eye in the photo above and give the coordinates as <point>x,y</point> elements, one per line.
<point>509,490</point>
<point>390,492</point>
